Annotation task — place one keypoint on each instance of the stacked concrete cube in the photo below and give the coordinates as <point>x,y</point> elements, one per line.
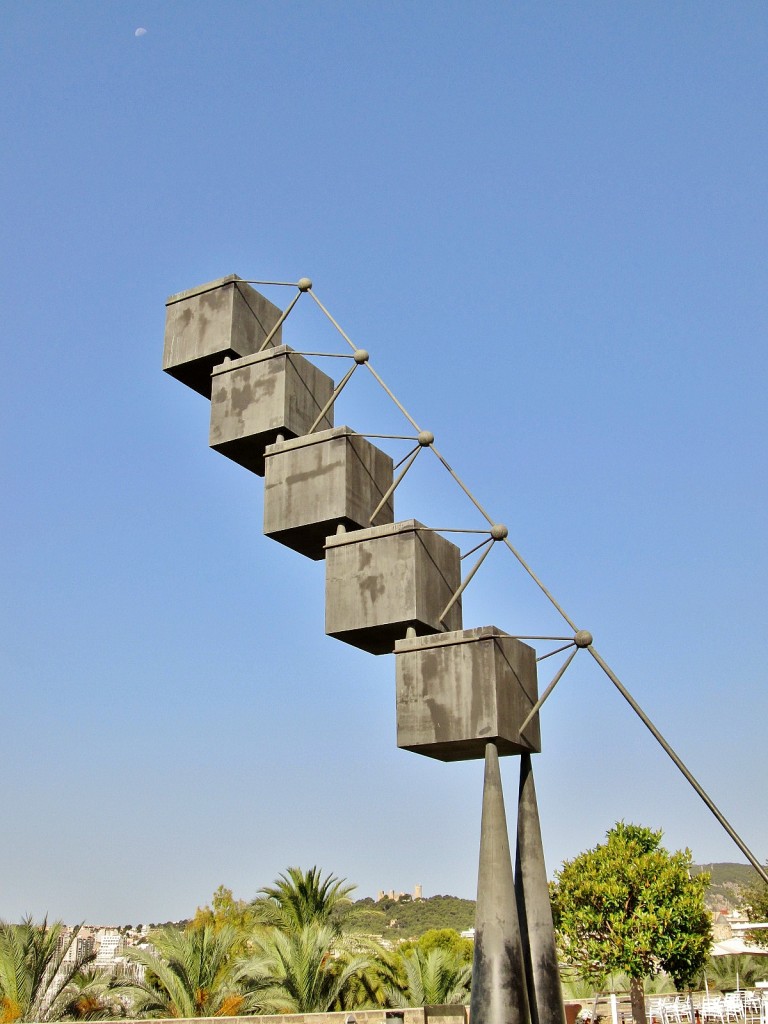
<point>382,581</point>
<point>205,325</point>
<point>458,691</point>
<point>316,483</point>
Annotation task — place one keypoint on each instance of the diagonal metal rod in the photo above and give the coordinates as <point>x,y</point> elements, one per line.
<point>465,582</point>
<point>286,284</point>
<point>392,437</point>
<point>475,548</point>
<point>686,773</point>
<point>557,650</point>
<point>280,321</point>
<point>324,355</point>
<point>463,486</point>
<point>516,553</point>
<point>407,456</point>
<point>539,584</point>
<point>338,328</point>
<point>401,407</point>
<point>450,529</point>
<point>558,676</point>
<point>336,392</point>
<point>391,489</point>
<point>377,377</point>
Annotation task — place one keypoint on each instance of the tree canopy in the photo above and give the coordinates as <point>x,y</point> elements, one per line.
<point>300,898</point>
<point>193,973</point>
<point>755,899</point>
<point>631,906</point>
<point>41,970</point>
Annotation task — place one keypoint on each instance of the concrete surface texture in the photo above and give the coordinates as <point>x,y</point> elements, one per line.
<point>381,581</point>
<point>456,691</point>
<point>205,324</point>
<point>255,398</point>
<point>317,482</point>
<point>499,990</point>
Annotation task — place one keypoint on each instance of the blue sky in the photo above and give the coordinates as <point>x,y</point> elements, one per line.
<point>547,223</point>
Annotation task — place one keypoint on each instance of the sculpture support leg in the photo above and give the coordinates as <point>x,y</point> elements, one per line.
<point>499,993</point>
<point>534,908</point>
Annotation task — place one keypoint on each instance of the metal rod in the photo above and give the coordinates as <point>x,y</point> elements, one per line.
<point>325,355</point>
<point>539,584</point>
<point>341,332</point>
<point>286,284</point>
<point>391,489</point>
<point>449,529</point>
<point>464,584</point>
<point>558,676</point>
<point>406,456</point>
<point>686,773</point>
<point>558,650</point>
<point>337,391</point>
<point>517,555</point>
<point>392,437</point>
<point>280,321</point>
<point>378,378</point>
<point>402,409</point>
<point>475,548</point>
<point>464,487</point>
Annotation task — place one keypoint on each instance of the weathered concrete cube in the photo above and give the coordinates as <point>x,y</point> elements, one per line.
<point>203,325</point>
<point>380,581</point>
<point>458,691</point>
<point>316,482</point>
<point>255,398</point>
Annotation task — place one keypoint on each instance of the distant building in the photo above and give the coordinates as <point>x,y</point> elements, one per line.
<point>110,944</point>
<point>397,896</point>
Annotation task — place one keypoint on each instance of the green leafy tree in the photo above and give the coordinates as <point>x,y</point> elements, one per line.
<point>39,965</point>
<point>309,969</point>
<point>631,906</point>
<point>438,975</point>
<point>755,901</point>
<point>300,898</point>
<point>225,912</point>
<point>440,938</point>
<point>193,973</point>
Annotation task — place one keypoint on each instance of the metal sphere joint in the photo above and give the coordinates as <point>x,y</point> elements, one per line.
<point>304,284</point>
<point>583,638</point>
<point>499,531</point>
<point>361,355</point>
<point>425,439</point>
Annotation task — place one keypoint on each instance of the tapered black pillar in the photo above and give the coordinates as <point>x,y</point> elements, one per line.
<point>499,993</point>
<point>534,908</point>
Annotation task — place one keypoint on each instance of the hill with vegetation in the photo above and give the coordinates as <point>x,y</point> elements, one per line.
<point>408,918</point>
<point>726,883</point>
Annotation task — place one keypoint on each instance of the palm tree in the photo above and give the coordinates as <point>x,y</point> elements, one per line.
<point>306,970</point>
<point>192,973</point>
<point>39,965</point>
<point>431,978</point>
<point>94,995</point>
<point>300,898</point>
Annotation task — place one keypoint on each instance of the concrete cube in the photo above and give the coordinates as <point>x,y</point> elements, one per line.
<point>316,482</point>
<point>458,691</point>
<point>203,325</point>
<point>380,581</point>
<point>255,398</point>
